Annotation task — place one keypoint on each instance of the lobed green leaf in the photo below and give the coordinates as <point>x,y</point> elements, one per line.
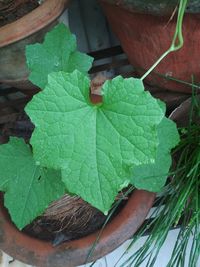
<point>94,145</point>
<point>152,177</point>
<point>57,52</point>
<point>29,188</point>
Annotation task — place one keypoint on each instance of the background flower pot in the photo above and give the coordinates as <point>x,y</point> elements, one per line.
<point>40,253</point>
<point>145,37</point>
<point>15,36</point>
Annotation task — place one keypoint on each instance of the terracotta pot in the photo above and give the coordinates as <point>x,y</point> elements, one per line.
<point>146,37</point>
<point>14,36</point>
<point>43,254</point>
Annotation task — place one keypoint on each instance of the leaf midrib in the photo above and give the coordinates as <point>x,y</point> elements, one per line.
<point>28,193</point>
<point>96,163</point>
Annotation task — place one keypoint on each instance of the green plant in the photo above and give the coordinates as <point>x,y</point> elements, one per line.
<point>181,201</point>
<point>93,151</point>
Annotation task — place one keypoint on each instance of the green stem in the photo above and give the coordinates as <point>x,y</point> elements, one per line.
<point>155,64</point>
<point>177,41</point>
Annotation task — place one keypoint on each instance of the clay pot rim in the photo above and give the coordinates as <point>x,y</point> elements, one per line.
<point>136,10</point>
<point>165,12</point>
<point>181,109</point>
<point>41,253</point>
<point>32,22</point>
<point>184,108</point>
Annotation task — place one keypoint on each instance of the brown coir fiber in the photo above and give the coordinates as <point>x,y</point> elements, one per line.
<point>68,218</point>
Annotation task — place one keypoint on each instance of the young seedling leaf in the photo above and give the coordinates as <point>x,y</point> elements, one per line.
<point>28,188</point>
<point>58,52</point>
<point>152,177</point>
<point>94,145</point>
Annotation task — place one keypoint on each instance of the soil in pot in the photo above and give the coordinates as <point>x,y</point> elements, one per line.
<point>69,218</point>
<point>66,219</point>
<point>11,10</point>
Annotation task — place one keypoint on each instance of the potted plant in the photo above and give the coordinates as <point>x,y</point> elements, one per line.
<point>92,150</point>
<point>20,26</point>
<point>145,32</point>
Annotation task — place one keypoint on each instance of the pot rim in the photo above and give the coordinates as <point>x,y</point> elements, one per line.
<point>160,10</point>
<point>184,108</point>
<point>32,22</point>
<point>72,253</point>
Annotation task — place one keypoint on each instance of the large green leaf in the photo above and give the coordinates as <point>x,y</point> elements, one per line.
<point>29,189</point>
<point>94,145</point>
<point>152,177</point>
<point>58,52</point>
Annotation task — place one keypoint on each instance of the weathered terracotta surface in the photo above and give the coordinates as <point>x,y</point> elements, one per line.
<point>71,254</point>
<point>16,35</point>
<point>155,7</point>
<point>145,38</point>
